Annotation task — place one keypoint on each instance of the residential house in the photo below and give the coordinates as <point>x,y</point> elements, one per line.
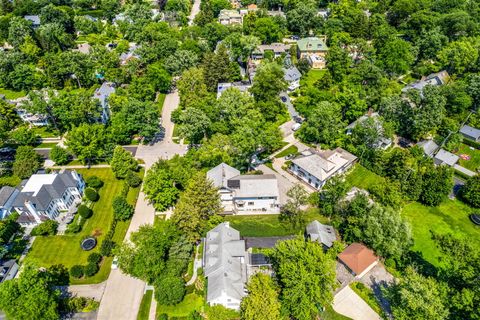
<point>470,133</point>
<point>225,266</point>
<point>434,79</point>
<point>245,193</point>
<point>382,142</point>
<point>236,4</point>
<point>278,50</point>
<point>8,270</point>
<point>243,86</point>
<point>277,13</point>
<point>44,196</point>
<point>102,94</point>
<point>323,13</point>
<point>314,49</point>
<point>429,147</point>
<point>316,167</point>
<point>443,157</point>
<point>130,54</point>
<point>7,198</point>
<point>227,17</point>
<point>34,19</point>
<point>358,259</point>
<point>34,119</point>
<point>292,76</point>
<point>321,233</point>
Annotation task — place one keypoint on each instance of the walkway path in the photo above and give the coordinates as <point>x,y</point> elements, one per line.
<point>197,263</point>
<point>348,303</point>
<point>94,291</point>
<point>194,12</point>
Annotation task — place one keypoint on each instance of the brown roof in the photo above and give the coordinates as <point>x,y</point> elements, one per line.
<point>357,257</point>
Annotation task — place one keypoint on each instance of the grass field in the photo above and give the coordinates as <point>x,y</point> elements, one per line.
<point>474,162</point>
<point>330,314</point>
<point>12,95</point>
<point>286,152</point>
<point>144,312</point>
<point>46,145</point>
<point>46,132</point>
<point>65,249</point>
<point>269,225</point>
<point>311,77</point>
<point>160,101</point>
<point>190,303</point>
<point>451,216</point>
<point>363,178</point>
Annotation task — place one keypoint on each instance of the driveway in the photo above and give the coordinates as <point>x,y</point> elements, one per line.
<point>291,110</point>
<point>348,303</point>
<point>94,291</point>
<point>194,12</point>
<point>283,183</point>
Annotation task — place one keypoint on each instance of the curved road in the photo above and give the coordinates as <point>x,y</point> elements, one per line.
<point>123,294</point>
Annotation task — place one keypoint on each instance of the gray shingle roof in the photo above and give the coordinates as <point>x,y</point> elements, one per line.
<point>221,173</point>
<point>445,157</point>
<point>292,74</point>
<point>321,233</point>
<point>429,147</point>
<point>5,193</point>
<point>260,185</point>
<point>470,132</point>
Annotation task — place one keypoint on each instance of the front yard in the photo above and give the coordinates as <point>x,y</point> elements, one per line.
<point>474,162</point>
<point>65,249</point>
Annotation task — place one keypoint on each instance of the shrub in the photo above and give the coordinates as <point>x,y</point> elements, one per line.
<point>91,194</point>
<point>74,228</point>
<point>94,182</point>
<point>59,155</point>
<point>47,228</point>
<point>90,269</point>
<point>133,180</point>
<point>94,258</point>
<point>107,247</point>
<point>163,316</point>
<point>76,271</point>
<point>171,290</point>
<point>121,208</point>
<point>470,192</point>
<point>84,211</point>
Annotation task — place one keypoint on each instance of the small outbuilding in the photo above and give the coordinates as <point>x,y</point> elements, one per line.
<point>358,259</point>
<point>470,133</point>
<point>321,233</point>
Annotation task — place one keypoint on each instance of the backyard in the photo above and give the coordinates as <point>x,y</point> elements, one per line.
<point>474,162</point>
<point>65,249</point>
<point>191,302</point>
<point>311,77</point>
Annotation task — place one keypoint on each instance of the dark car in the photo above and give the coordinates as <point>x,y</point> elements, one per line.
<point>284,99</point>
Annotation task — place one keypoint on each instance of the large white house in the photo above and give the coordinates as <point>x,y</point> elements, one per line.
<point>316,167</point>
<point>42,197</point>
<point>245,193</point>
<point>225,263</point>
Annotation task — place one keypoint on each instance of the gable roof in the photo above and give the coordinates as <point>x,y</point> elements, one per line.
<point>428,146</point>
<point>33,18</point>
<point>470,132</point>
<point>311,44</point>
<point>255,185</point>
<point>445,157</point>
<point>5,194</point>
<point>433,79</point>
<point>221,174</point>
<point>357,257</point>
<point>292,74</point>
<point>322,233</point>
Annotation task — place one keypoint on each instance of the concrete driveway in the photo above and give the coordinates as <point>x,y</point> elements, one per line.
<point>348,303</point>
<point>194,12</point>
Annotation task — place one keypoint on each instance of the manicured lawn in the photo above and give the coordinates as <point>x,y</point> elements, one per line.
<point>12,95</point>
<point>286,152</point>
<point>160,101</point>
<point>269,225</point>
<point>46,145</point>
<point>474,162</point>
<point>363,178</point>
<point>312,77</point>
<point>65,249</point>
<point>144,311</point>
<point>449,217</point>
<point>330,314</point>
<point>190,303</point>
<point>46,132</point>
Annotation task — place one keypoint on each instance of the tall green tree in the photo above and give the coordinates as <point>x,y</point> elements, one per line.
<point>268,82</point>
<point>87,142</point>
<point>471,191</point>
<point>26,163</point>
<point>262,302</point>
<point>122,163</point>
<point>292,210</point>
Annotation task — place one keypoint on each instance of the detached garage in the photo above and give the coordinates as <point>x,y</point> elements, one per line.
<point>358,259</point>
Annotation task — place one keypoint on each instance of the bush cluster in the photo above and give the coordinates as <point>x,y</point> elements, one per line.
<point>91,194</point>
<point>89,270</point>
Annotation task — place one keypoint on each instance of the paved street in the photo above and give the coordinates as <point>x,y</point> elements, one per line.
<point>348,303</point>
<point>123,293</point>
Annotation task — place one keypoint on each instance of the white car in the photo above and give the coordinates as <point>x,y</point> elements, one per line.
<point>296,126</point>
<point>115,263</point>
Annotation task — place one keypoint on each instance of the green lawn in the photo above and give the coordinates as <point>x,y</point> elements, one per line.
<point>286,152</point>
<point>46,145</point>
<point>312,76</point>
<point>46,132</point>
<point>330,314</point>
<point>269,225</point>
<point>12,95</point>
<point>160,101</point>
<point>449,217</point>
<point>474,162</point>
<point>190,303</point>
<point>65,249</point>
<point>144,312</point>
<point>363,178</point>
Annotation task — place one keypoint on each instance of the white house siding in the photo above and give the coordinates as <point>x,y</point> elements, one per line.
<point>307,177</point>
<point>226,301</point>
<point>269,205</point>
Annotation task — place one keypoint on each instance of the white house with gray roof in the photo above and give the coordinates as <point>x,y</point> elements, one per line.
<point>245,193</point>
<point>225,262</point>
<point>43,196</point>
<point>102,94</point>
<point>443,157</point>
<point>316,167</point>
<point>434,79</point>
<point>321,233</point>
<point>429,147</point>
<point>292,76</point>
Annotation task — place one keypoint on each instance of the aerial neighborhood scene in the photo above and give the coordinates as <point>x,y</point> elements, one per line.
<point>240,159</point>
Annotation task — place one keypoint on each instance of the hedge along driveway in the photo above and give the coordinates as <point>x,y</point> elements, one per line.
<point>65,249</point>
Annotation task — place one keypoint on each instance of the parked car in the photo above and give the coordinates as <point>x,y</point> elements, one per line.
<point>284,99</point>
<point>296,126</point>
<point>289,156</point>
<point>115,263</point>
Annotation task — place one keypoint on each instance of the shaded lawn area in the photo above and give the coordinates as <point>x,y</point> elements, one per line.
<point>330,314</point>
<point>190,303</point>
<point>312,76</point>
<point>363,178</point>
<point>144,312</point>
<point>65,249</point>
<point>269,225</point>
<point>160,102</point>
<point>12,95</point>
<point>451,216</point>
<point>474,162</point>
<point>286,152</point>
<point>46,132</point>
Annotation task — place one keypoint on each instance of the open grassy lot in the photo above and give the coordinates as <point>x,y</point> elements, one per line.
<point>474,162</point>
<point>363,178</point>
<point>190,303</point>
<point>269,225</point>
<point>286,152</point>
<point>65,249</point>
<point>144,311</point>
<point>311,77</point>
<point>451,216</point>
<point>12,95</point>
<point>46,132</point>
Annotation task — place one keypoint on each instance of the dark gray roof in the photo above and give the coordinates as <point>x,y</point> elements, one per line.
<point>429,147</point>
<point>321,233</point>
<point>5,193</point>
<point>470,132</point>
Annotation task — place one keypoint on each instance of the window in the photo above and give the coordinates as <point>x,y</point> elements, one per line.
<point>251,203</point>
